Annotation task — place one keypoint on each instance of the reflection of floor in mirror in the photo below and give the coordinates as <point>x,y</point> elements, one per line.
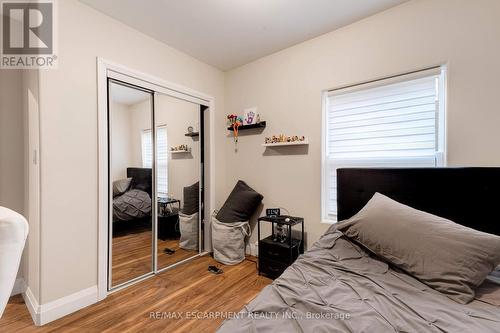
<point>132,254</point>
<point>165,259</point>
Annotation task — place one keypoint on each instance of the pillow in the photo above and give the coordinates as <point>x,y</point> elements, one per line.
<point>240,205</point>
<point>121,186</point>
<point>191,199</point>
<point>448,257</point>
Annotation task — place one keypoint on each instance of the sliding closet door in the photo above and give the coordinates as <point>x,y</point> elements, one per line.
<point>178,173</point>
<point>131,189</point>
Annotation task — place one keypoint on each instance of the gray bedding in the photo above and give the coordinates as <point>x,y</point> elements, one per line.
<point>338,287</point>
<point>133,204</point>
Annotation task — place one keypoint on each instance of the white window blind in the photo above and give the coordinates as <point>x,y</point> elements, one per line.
<point>162,161</point>
<point>147,149</point>
<point>161,157</point>
<point>396,122</point>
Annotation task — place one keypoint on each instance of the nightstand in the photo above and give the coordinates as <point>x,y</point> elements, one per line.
<point>276,254</point>
<point>168,218</point>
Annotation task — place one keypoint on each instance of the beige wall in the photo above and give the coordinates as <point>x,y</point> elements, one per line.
<point>177,115</point>
<point>12,144</point>
<point>121,140</point>
<point>183,169</point>
<point>68,106</point>
<point>31,260</point>
<point>287,88</point>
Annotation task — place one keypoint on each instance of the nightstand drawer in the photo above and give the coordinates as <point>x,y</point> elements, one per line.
<point>280,252</point>
<point>271,268</point>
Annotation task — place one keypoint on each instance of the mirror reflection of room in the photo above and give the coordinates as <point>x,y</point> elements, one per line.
<point>178,175</point>
<point>131,158</point>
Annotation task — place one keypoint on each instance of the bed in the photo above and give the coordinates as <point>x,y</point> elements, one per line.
<point>339,286</point>
<point>135,203</point>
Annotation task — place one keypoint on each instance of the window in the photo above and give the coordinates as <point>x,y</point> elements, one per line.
<point>396,122</point>
<point>161,157</point>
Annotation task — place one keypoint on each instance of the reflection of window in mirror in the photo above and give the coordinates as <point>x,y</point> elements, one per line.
<point>161,160</point>
<point>147,149</point>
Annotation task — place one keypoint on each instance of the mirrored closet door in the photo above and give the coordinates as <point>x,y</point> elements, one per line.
<point>177,124</point>
<point>155,163</point>
<point>131,183</point>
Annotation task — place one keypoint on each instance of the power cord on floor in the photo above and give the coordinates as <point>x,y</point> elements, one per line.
<point>254,261</point>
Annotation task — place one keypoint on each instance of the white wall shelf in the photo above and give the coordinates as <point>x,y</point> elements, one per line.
<point>180,151</point>
<point>279,144</point>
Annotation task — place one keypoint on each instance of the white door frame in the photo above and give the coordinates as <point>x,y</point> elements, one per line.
<point>104,68</point>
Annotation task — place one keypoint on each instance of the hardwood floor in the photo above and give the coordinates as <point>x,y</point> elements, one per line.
<point>186,288</point>
<point>165,260</point>
<point>132,254</point>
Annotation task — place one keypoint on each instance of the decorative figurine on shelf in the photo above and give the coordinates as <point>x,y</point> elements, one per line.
<point>180,148</point>
<point>284,138</point>
<point>235,122</point>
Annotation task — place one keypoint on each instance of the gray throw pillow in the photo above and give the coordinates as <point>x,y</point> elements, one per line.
<point>191,199</point>
<point>121,186</point>
<point>447,256</point>
<point>240,205</point>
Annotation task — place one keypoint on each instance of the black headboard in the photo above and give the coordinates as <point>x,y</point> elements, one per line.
<point>142,179</point>
<point>469,196</point>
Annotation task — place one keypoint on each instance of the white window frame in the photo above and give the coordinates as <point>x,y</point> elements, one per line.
<point>149,164</point>
<point>441,160</point>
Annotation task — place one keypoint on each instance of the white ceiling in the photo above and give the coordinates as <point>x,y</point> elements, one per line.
<point>126,95</point>
<point>230,33</point>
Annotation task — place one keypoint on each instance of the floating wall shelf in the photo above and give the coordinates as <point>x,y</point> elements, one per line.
<point>280,144</point>
<point>262,124</point>
<point>192,134</point>
<point>180,151</point>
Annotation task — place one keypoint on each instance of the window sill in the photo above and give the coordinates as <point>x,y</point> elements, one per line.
<point>332,220</point>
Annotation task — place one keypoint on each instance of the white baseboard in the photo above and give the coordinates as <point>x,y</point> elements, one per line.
<point>32,305</point>
<point>19,287</point>
<point>252,249</point>
<point>45,313</point>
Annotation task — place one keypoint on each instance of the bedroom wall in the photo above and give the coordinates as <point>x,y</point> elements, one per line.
<point>12,140</point>
<point>31,255</point>
<point>183,169</point>
<point>287,87</point>
<point>140,119</point>
<point>121,152</point>
<point>69,152</point>
<point>177,115</point>
<point>12,144</point>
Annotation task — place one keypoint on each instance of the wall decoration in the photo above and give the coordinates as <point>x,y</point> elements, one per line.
<point>250,116</point>
<point>235,122</point>
<point>282,138</point>
<point>180,149</point>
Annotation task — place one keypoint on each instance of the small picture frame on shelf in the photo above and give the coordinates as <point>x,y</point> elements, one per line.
<point>250,116</point>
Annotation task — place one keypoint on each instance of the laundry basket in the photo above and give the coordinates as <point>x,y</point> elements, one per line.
<point>188,225</point>
<point>228,241</point>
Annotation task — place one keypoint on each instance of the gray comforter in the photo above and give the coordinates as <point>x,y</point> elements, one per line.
<point>338,287</point>
<point>133,204</point>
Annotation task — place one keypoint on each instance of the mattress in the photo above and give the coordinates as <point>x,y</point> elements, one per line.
<point>337,286</point>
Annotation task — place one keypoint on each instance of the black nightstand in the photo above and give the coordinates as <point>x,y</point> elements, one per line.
<point>168,218</point>
<point>276,256</point>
